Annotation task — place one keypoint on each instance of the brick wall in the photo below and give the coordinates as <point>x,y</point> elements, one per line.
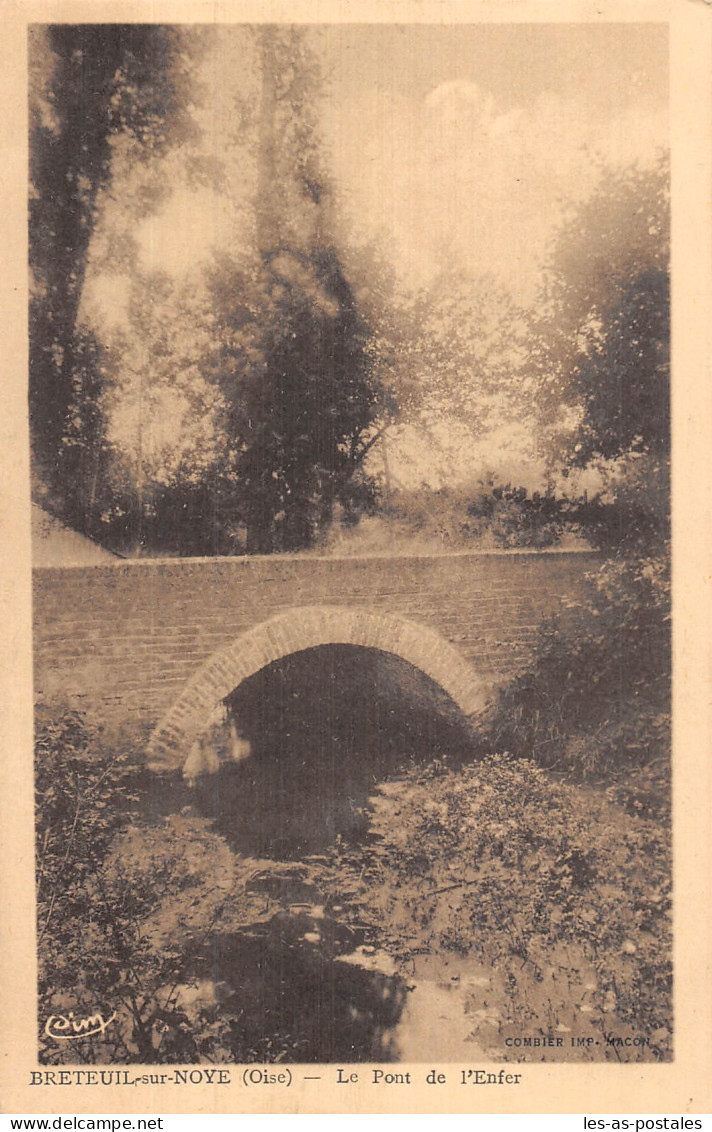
<point>121,641</point>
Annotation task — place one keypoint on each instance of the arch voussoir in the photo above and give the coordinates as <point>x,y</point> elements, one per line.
<point>296,630</point>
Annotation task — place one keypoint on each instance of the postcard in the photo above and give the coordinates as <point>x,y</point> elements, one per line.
<point>356,558</point>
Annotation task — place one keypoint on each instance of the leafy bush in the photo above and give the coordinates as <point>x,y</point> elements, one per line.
<point>511,517</point>
<point>548,883</point>
<point>596,697</point>
<point>122,910</point>
<point>488,514</point>
<point>77,788</point>
<point>629,513</point>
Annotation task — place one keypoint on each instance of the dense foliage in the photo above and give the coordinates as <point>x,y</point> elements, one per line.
<point>488,514</point>
<point>557,897</point>
<point>239,407</point>
<point>291,361</point>
<point>225,415</point>
<point>596,699</point>
<point>92,84</point>
<point>120,910</point>
<point>559,891</point>
<point>604,336</point>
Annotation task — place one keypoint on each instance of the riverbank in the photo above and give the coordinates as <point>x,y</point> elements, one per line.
<point>489,908</point>
<point>484,908</point>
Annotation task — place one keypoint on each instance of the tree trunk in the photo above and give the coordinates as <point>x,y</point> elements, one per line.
<point>259,538</point>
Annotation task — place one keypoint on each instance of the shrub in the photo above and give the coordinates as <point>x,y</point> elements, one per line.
<point>537,879</point>
<point>596,697</point>
<point>81,800</point>
<point>510,517</point>
<point>122,910</point>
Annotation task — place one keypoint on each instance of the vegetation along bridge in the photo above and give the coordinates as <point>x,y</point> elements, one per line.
<point>157,645</point>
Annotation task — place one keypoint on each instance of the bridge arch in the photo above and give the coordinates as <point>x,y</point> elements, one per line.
<point>294,631</point>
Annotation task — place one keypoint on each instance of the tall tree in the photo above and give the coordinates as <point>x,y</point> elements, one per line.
<point>602,348</point>
<point>247,396</point>
<point>100,82</point>
<point>292,350</point>
<point>604,336</point>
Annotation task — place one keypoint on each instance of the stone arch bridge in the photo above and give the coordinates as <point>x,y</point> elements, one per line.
<point>157,645</point>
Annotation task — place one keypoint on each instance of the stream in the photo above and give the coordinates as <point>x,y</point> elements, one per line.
<point>330,731</point>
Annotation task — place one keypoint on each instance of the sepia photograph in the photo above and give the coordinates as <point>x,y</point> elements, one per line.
<point>350,432</point>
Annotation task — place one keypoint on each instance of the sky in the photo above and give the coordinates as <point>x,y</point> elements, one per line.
<point>474,139</point>
<point>442,140</point>
<point>455,145</point>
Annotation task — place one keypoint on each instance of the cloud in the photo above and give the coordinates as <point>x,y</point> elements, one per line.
<point>454,170</point>
<point>458,99</point>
